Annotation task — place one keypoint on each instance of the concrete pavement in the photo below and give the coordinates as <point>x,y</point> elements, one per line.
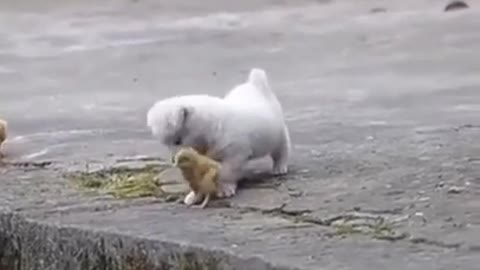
<point>383,109</point>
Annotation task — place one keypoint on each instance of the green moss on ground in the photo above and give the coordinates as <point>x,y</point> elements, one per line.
<point>377,228</point>
<point>123,182</point>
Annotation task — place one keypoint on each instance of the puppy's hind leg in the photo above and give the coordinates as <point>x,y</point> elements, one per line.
<point>281,154</point>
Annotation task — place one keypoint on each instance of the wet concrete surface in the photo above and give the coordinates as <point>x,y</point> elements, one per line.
<point>383,107</point>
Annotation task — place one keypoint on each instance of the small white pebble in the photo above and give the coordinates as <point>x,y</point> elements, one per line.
<point>424,199</point>
<point>455,190</point>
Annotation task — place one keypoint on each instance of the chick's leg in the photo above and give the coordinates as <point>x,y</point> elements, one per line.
<point>205,201</point>
<point>208,185</point>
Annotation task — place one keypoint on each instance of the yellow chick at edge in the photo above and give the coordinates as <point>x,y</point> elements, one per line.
<point>200,171</point>
<point>3,134</point>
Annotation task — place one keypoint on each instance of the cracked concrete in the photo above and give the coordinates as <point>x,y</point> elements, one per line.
<point>383,108</point>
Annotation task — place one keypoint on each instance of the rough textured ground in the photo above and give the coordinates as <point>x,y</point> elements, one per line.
<point>383,109</point>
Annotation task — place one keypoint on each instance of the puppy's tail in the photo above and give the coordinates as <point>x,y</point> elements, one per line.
<point>258,77</point>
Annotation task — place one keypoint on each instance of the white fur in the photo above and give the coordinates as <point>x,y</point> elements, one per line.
<point>246,124</point>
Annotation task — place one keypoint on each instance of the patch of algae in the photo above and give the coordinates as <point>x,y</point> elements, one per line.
<point>377,227</point>
<point>124,182</point>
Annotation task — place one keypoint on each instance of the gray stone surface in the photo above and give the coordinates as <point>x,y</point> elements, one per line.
<point>383,108</point>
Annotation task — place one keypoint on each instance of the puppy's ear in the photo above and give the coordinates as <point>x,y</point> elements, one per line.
<point>185,113</point>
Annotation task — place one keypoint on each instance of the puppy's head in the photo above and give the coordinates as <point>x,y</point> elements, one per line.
<point>168,120</point>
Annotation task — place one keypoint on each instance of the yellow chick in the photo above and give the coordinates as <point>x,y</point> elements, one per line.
<point>200,171</point>
<point>3,134</point>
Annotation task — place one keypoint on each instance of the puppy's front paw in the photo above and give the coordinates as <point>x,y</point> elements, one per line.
<point>226,190</point>
<point>280,170</point>
<point>192,198</point>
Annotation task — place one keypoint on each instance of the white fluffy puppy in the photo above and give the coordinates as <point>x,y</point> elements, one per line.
<point>246,124</point>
